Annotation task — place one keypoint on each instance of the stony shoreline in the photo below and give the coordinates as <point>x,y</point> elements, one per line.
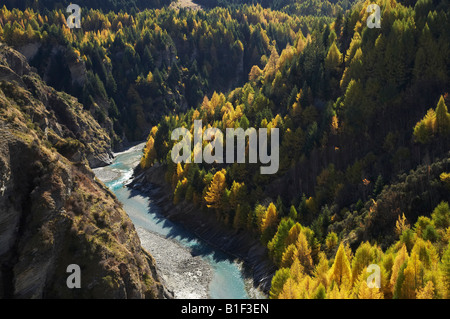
<point>186,276</point>
<point>238,244</point>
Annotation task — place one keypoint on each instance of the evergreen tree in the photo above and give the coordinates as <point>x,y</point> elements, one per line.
<point>334,58</point>
<point>304,252</point>
<point>368,293</point>
<point>340,272</point>
<point>331,241</point>
<point>289,255</point>
<point>411,277</point>
<point>445,266</point>
<point>397,294</point>
<point>278,282</point>
<point>442,118</point>
<point>320,292</point>
<point>216,190</point>
<point>278,243</point>
<point>293,213</point>
<point>400,259</point>
<point>426,292</point>
<point>269,222</point>
<point>441,215</point>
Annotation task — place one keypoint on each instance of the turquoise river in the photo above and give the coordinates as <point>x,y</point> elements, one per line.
<point>228,279</point>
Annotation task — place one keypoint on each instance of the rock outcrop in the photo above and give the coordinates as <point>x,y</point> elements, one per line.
<point>59,116</point>
<point>53,211</point>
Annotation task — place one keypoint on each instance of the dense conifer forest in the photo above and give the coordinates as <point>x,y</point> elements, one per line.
<point>364,175</point>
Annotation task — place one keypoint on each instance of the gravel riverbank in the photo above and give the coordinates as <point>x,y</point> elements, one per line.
<point>186,276</point>
<point>238,244</point>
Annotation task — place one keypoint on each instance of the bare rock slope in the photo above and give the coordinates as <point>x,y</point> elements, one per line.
<point>53,211</point>
<point>56,116</point>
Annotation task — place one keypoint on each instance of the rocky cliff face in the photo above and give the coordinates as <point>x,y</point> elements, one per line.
<point>53,212</point>
<point>56,117</point>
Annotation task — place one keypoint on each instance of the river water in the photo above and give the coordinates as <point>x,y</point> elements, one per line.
<point>227,277</point>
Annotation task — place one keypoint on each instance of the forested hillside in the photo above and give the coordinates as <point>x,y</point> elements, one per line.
<point>129,70</point>
<point>364,174</point>
<point>104,5</point>
<point>293,7</point>
<point>364,156</point>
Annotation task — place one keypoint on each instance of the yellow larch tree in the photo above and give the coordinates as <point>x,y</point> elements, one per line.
<point>293,234</point>
<point>307,287</point>
<point>426,292</point>
<point>413,276</point>
<point>289,255</point>
<point>340,272</point>
<point>336,293</point>
<point>290,290</point>
<point>368,293</point>
<point>401,224</point>
<point>296,271</point>
<point>445,268</point>
<point>149,153</point>
<point>217,99</point>
<point>408,289</point>
<point>321,270</point>
<point>215,191</point>
<point>271,66</point>
<point>364,256</point>
<point>270,218</point>
<point>255,73</point>
<point>304,252</point>
<point>334,58</point>
<point>178,174</point>
<point>400,258</point>
<point>206,107</point>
